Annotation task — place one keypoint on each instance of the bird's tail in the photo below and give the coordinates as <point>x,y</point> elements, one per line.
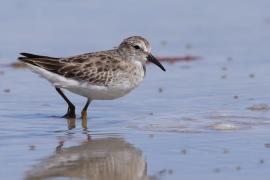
<point>49,63</point>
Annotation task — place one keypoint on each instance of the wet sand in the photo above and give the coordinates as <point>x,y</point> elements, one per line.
<point>208,118</point>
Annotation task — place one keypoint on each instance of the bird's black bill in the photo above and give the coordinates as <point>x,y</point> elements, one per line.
<point>152,59</point>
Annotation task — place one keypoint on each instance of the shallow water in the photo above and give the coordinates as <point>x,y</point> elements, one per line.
<point>206,119</point>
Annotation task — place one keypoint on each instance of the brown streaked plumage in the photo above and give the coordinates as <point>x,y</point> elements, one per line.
<point>100,75</point>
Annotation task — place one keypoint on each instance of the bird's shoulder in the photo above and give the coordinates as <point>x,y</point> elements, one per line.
<point>102,57</point>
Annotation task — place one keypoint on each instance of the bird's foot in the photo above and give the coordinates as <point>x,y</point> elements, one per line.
<point>70,113</point>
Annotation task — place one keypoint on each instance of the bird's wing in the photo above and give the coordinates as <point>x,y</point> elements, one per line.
<point>96,68</point>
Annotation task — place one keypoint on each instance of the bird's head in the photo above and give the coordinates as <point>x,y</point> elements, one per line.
<point>138,49</point>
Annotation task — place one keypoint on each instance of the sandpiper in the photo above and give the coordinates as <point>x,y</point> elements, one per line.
<point>103,75</point>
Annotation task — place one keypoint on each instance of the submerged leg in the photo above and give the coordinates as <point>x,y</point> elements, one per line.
<point>84,111</point>
<point>71,108</point>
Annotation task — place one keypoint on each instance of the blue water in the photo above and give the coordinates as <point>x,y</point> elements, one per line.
<point>199,126</point>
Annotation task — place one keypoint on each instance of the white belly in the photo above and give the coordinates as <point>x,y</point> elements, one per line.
<point>99,92</point>
<point>83,88</point>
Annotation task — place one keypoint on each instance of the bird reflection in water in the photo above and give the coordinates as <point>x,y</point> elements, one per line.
<point>96,159</point>
<point>72,123</point>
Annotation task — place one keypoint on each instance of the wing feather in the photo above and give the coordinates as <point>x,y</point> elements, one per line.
<point>95,68</point>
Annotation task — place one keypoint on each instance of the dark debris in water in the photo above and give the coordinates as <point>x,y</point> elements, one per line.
<point>251,76</point>
<point>165,171</point>
<point>7,90</point>
<point>183,151</point>
<point>163,42</point>
<point>229,59</point>
<point>238,168</point>
<point>261,161</point>
<point>224,68</point>
<point>188,46</point>
<point>32,147</point>
<point>267,145</point>
<point>217,170</point>
<point>224,76</point>
<point>235,97</point>
<point>161,174</point>
<point>226,151</point>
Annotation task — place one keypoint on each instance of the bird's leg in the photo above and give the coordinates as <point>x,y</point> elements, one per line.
<point>71,108</point>
<point>84,111</point>
<point>71,123</point>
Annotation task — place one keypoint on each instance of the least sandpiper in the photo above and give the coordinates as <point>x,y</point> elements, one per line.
<point>101,75</point>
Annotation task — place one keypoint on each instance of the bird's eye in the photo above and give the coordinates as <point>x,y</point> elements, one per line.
<point>137,47</point>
